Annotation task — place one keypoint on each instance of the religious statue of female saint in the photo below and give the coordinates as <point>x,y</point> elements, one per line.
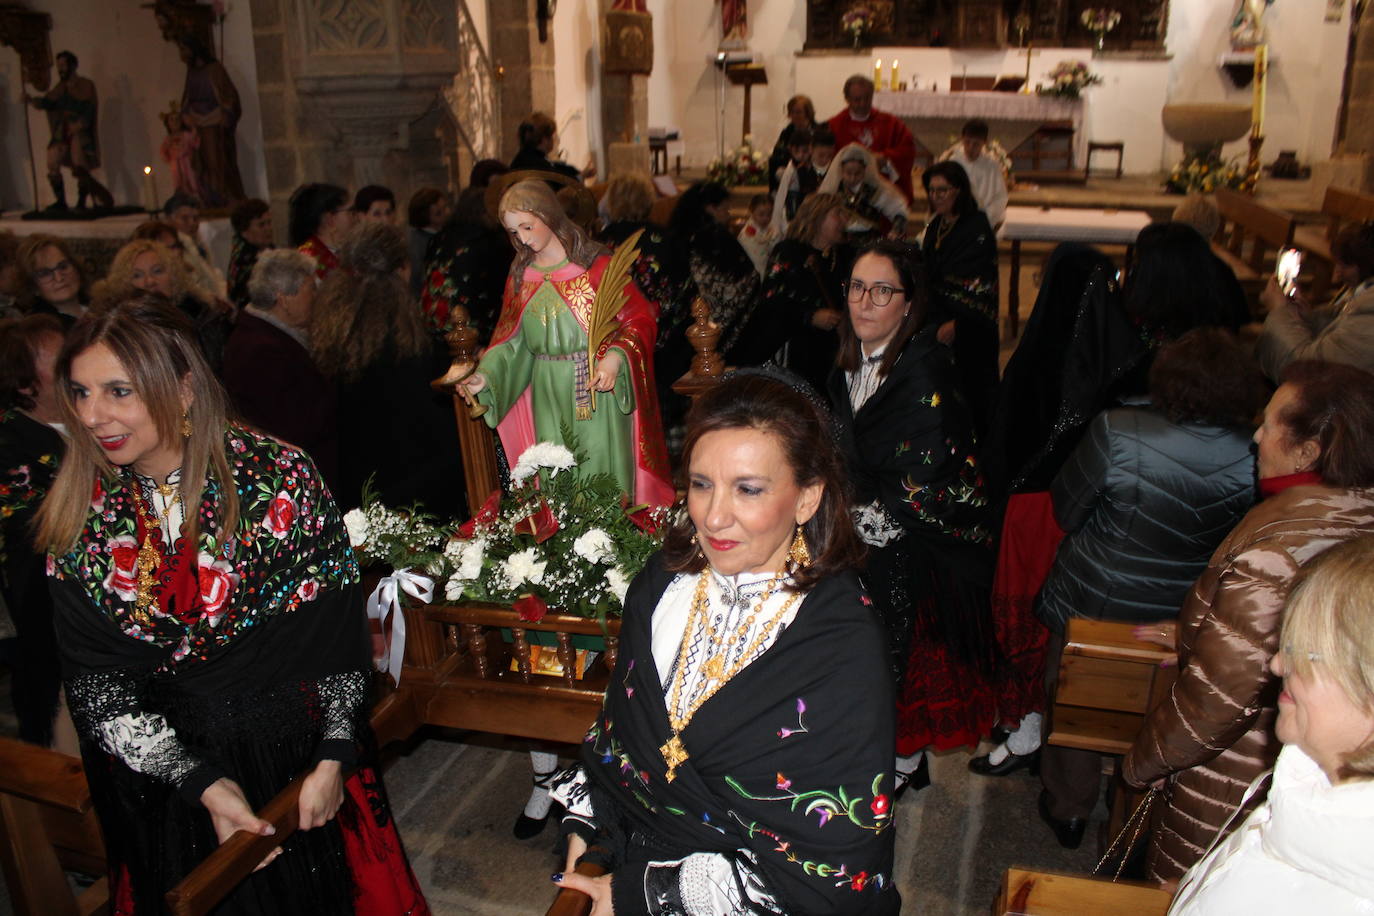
<point>540,376</point>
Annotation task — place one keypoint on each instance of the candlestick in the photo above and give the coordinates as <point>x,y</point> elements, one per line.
<point>1261,77</point>
<point>894,74</point>
<point>877,73</point>
<point>149,190</point>
<point>1026,86</point>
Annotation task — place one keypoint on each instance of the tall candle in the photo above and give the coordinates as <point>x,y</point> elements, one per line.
<point>1261,77</point>
<point>877,73</point>
<point>894,74</point>
<point>149,190</point>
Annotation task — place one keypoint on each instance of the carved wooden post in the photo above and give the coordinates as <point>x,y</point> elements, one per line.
<point>522,653</point>
<point>567,657</point>
<point>707,365</point>
<point>474,436</point>
<point>477,647</point>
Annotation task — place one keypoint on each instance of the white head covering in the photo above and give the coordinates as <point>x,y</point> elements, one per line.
<point>886,198</point>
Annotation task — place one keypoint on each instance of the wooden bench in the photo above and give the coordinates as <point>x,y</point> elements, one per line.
<point>1249,239</point>
<point>1042,893</point>
<point>47,824</point>
<point>1108,683</point>
<point>1341,207</point>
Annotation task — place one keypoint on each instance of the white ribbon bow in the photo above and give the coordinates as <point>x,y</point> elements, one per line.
<point>385,602</point>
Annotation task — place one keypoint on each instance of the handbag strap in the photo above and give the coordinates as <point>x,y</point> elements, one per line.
<point>1134,824</point>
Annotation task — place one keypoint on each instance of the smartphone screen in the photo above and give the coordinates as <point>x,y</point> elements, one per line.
<point>1287,269</point>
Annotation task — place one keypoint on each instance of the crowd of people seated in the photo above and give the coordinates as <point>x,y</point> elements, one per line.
<point>179,438</point>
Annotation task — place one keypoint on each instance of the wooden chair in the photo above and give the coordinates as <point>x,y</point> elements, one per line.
<point>1108,683</point>
<point>1094,146</point>
<point>1249,239</point>
<point>1043,893</point>
<point>1340,207</point>
<point>47,824</point>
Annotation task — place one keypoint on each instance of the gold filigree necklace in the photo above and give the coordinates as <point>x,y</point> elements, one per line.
<point>713,669</point>
<point>149,558</point>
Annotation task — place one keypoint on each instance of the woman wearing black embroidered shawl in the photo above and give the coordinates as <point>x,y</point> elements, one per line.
<point>920,505</point>
<point>742,760</point>
<point>208,668</point>
<point>961,258</point>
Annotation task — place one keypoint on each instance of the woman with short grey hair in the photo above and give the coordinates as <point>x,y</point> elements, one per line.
<point>268,370</point>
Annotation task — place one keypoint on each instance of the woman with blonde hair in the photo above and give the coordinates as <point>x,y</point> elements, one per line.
<point>801,302</point>
<point>1306,849</point>
<point>209,616</point>
<point>369,339</point>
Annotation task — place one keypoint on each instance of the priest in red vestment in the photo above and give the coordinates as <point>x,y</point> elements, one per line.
<point>883,133</point>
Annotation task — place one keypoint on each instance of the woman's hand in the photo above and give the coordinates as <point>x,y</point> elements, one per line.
<point>474,383</point>
<point>229,813</point>
<point>1163,634</point>
<point>946,333</point>
<point>576,847</point>
<point>826,319</point>
<point>607,368</point>
<point>321,794</point>
<point>599,889</point>
<point>1273,297</point>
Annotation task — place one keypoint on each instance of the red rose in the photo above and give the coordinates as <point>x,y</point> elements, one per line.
<point>308,589</point>
<point>123,576</point>
<point>531,608</point>
<point>280,514</point>
<point>217,581</point>
<point>880,804</point>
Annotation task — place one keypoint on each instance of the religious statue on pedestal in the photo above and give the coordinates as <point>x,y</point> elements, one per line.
<point>210,109</point>
<point>72,108</point>
<point>1247,25</point>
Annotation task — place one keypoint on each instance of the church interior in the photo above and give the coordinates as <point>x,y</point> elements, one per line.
<point>1074,299</point>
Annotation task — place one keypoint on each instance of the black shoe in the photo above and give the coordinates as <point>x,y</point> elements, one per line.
<point>1069,832</point>
<point>916,780</point>
<point>527,828</point>
<point>1011,764</point>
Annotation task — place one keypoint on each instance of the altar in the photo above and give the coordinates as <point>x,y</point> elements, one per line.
<point>936,117</point>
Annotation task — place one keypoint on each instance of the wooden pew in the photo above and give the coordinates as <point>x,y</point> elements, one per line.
<point>47,824</point>
<point>1042,893</point>
<point>1108,682</point>
<point>1340,207</point>
<point>1250,236</point>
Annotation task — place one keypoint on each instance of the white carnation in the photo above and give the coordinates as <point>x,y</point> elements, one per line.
<point>595,546</point>
<point>617,583</point>
<point>524,566</point>
<point>469,559</point>
<point>355,520</point>
<point>548,455</point>
<point>453,591</point>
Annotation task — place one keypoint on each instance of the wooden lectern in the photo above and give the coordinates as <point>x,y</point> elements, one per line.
<point>748,76</point>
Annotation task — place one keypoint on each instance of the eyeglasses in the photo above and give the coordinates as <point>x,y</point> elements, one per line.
<point>44,274</point>
<point>936,190</point>
<point>880,294</point>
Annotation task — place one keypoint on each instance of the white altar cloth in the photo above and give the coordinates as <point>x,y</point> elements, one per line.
<point>936,117</point>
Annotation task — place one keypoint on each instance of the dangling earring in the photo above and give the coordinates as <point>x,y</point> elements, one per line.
<point>696,546</point>
<point>186,424</point>
<point>799,555</point>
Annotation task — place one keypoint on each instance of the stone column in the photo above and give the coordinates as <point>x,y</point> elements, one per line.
<point>524,67</point>
<point>1353,164</point>
<point>627,58</point>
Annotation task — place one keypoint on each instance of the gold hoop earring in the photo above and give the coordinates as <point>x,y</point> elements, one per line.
<point>186,424</point>
<point>799,555</point>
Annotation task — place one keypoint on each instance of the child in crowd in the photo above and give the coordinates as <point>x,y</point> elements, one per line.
<point>759,235</point>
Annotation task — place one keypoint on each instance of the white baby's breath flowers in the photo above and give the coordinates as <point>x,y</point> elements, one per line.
<point>547,455</point>
<point>355,520</point>
<point>594,546</point>
<point>524,566</point>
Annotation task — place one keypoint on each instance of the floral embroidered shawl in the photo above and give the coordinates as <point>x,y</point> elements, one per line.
<point>290,545</point>
<point>790,763</point>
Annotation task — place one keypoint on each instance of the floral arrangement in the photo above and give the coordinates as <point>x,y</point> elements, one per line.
<point>857,21</point>
<point>562,540</point>
<point>744,166</point>
<point>1068,79</point>
<point>1204,174</point>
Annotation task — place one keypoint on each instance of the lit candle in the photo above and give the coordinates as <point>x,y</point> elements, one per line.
<point>877,73</point>
<point>1261,77</point>
<point>894,74</point>
<point>149,190</point>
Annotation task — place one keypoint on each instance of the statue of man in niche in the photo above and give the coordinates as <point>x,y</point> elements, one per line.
<point>210,107</point>
<point>72,109</point>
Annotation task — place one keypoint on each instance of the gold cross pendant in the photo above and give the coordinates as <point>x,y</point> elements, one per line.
<point>673,754</point>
